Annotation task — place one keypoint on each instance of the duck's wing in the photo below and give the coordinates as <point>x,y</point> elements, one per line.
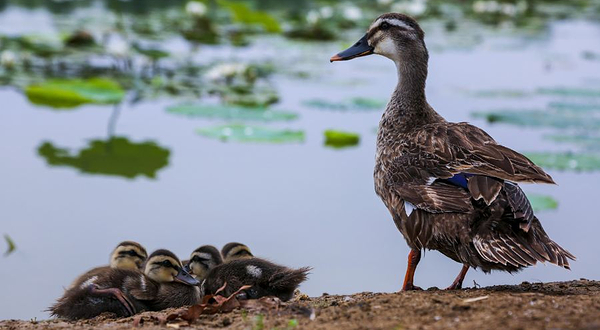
<point>445,165</point>
<point>141,287</point>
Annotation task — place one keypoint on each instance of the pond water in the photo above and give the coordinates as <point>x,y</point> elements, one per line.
<point>298,204</point>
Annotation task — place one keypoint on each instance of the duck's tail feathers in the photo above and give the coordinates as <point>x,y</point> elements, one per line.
<point>521,249</point>
<point>289,278</point>
<point>548,249</point>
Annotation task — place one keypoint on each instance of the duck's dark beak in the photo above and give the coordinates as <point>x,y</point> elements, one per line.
<point>185,278</point>
<point>360,48</point>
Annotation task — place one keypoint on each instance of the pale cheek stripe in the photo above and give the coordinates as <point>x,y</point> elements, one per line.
<point>203,255</point>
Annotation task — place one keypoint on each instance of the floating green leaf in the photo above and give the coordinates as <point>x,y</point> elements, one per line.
<point>566,161</point>
<point>339,139</point>
<point>255,99</point>
<point>243,133</point>
<point>569,91</point>
<point>116,156</point>
<point>585,140</point>
<point>500,93</point>
<point>542,202</point>
<point>243,14</point>
<point>63,93</point>
<point>11,245</point>
<point>591,56</point>
<point>357,103</point>
<point>153,53</point>
<point>539,118</point>
<point>574,107</point>
<point>230,112</point>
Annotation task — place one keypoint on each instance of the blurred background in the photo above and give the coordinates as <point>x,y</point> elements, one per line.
<point>183,123</point>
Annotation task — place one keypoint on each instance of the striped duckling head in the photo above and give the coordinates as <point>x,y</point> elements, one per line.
<point>203,259</point>
<point>234,250</point>
<point>128,255</point>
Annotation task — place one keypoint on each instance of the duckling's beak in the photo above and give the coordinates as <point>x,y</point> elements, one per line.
<point>185,278</point>
<point>360,48</point>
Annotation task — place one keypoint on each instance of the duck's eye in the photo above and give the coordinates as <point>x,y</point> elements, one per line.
<point>384,26</point>
<point>167,263</point>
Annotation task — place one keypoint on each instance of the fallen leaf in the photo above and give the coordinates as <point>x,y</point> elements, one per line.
<point>11,245</point>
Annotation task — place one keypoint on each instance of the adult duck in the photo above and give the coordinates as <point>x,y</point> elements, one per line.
<point>449,186</point>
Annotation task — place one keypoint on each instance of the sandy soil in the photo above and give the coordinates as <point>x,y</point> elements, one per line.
<point>558,305</point>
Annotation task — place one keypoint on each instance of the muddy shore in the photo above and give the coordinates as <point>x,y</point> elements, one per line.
<point>556,305</point>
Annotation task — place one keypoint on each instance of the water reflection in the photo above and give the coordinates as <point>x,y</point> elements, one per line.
<point>114,156</point>
<point>297,204</point>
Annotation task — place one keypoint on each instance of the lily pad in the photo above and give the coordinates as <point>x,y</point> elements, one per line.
<point>357,103</point>
<point>11,245</point>
<point>243,14</point>
<point>539,118</point>
<point>500,93</point>
<point>69,93</point>
<point>566,161</point>
<point>586,141</point>
<point>230,112</point>
<point>153,53</point>
<point>569,91</point>
<point>339,139</point>
<point>542,202</point>
<point>243,133</point>
<point>115,156</point>
<point>574,107</point>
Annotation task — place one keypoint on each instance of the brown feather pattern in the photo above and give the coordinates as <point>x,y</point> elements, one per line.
<point>489,224</point>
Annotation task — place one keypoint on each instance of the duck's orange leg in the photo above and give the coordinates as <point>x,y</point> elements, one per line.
<point>413,260</point>
<point>118,294</point>
<point>457,284</point>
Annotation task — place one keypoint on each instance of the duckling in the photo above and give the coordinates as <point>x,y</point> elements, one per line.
<point>266,278</point>
<point>125,292</point>
<point>202,260</point>
<point>173,285</point>
<point>449,186</point>
<point>127,255</point>
<point>232,251</point>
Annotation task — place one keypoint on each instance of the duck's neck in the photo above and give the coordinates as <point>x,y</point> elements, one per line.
<point>408,107</point>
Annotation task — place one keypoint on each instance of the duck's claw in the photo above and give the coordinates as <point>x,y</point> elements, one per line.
<point>411,287</point>
<point>454,286</point>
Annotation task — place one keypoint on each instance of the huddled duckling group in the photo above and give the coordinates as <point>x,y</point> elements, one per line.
<point>135,282</point>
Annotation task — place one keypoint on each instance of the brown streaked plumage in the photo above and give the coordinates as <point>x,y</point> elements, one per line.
<point>265,277</point>
<point>234,250</point>
<point>449,186</point>
<point>125,292</point>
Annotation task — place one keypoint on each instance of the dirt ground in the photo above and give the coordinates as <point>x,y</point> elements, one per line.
<point>557,305</point>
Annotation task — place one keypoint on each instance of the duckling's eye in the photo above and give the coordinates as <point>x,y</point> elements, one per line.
<point>167,263</point>
<point>384,26</point>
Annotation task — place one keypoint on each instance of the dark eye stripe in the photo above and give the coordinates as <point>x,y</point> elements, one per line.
<point>131,253</point>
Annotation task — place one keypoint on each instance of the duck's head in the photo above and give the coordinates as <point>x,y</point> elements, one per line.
<point>203,259</point>
<point>128,255</point>
<point>395,36</point>
<point>164,267</point>
<point>234,251</point>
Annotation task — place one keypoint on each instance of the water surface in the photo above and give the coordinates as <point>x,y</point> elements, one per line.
<point>297,204</point>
